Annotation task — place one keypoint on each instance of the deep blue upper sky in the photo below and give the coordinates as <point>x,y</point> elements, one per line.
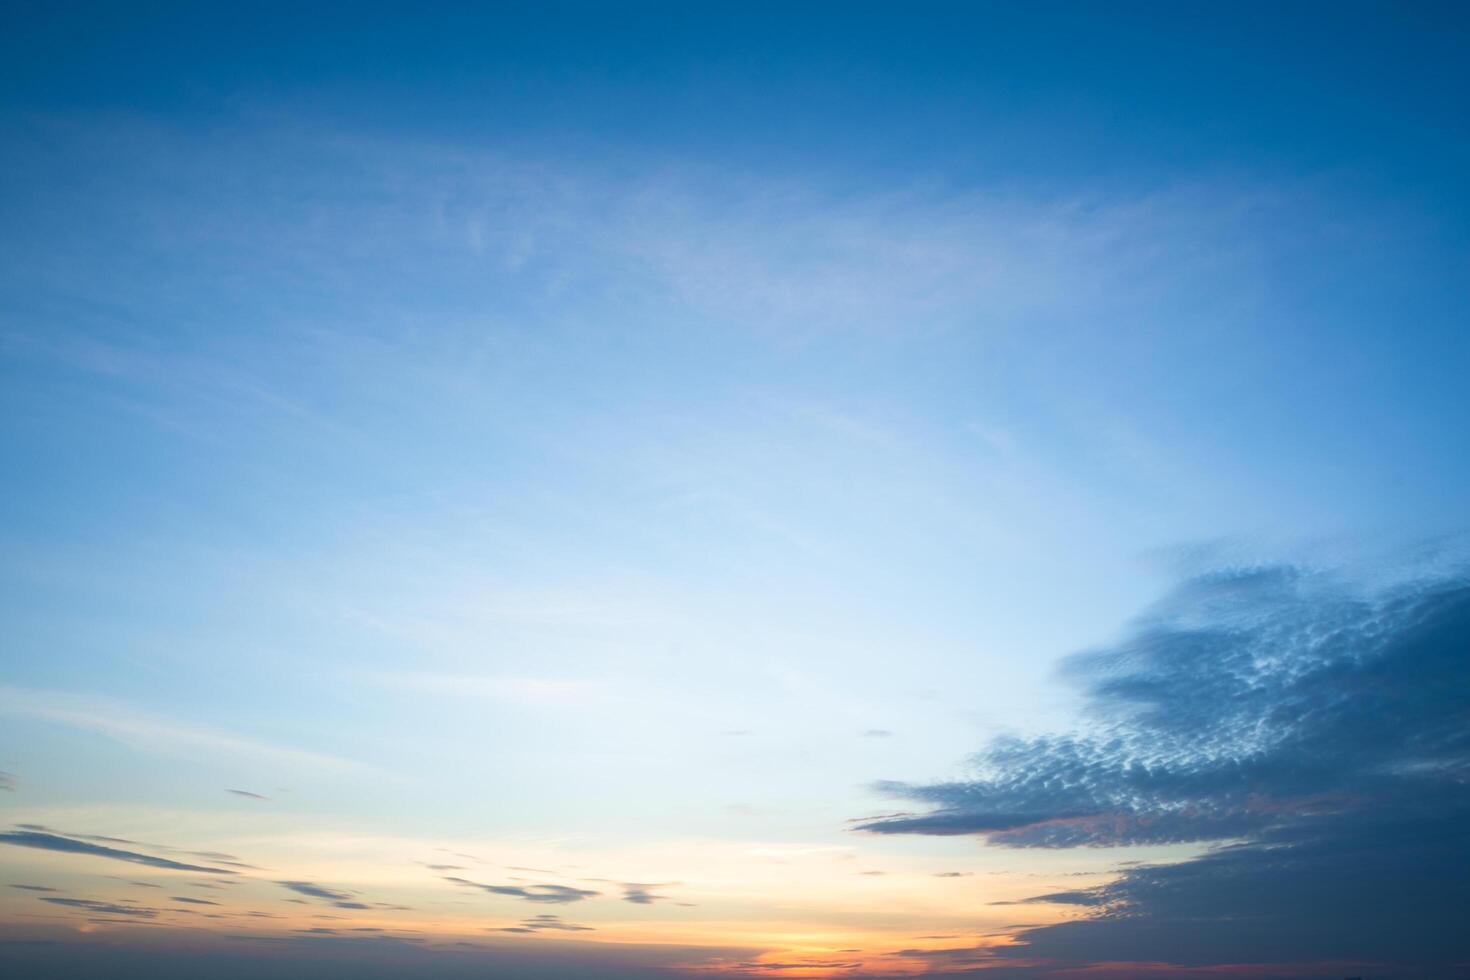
<point>1057,89</point>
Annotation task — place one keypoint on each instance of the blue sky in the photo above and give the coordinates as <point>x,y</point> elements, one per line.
<point>643,446</point>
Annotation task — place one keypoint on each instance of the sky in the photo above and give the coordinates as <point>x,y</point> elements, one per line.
<point>676,491</point>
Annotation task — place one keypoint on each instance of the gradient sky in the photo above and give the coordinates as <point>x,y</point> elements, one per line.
<point>670,491</point>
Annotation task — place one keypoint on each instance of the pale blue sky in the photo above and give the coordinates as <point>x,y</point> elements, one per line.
<point>608,442</point>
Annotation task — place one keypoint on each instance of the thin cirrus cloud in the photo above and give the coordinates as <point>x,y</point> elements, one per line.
<point>1314,734</point>
<point>66,845</point>
<point>142,730</point>
<point>543,691</point>
<point>218,857</point>
<point>248,795</point>
<point>540,894</point>
<point>543,923</point>
<point>639,892</point>
<point>104,908</point>
<point>340,899</point>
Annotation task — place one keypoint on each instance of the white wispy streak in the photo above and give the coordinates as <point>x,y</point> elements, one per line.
<point>151,733</point>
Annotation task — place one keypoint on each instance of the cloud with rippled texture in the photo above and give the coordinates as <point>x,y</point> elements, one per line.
<point>1314,734</point>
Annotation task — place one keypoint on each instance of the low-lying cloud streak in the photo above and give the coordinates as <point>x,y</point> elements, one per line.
<point>66,845</point>
<point>541,894</point>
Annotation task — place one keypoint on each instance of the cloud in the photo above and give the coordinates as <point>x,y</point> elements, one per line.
<point>191,901</point>
<point>248,795</point>
<point>1092,896</point>
<point>219,857</point>
<point>7,781</point>
<point>545,922</point>
<point>340,899</point>
<point>104,908</point>
<point>66,845</point>
<point>876,733</point>
<point>130,726</point>
<point>34,888</point>
<point>541,894</point>
<point>1314,734</point>
<point>639,892</point>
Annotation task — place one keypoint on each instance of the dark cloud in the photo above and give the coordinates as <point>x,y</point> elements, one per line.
<point>1313,735</point>
<point>541,923</point>
<point>951,957</point>
<point>951,874</point>
<point>33,888</point>
<point>340,899</point>
<point>218,857</point>
<point>248,795</point>
<point>641,893</point>
<point>1091,896</point>
<point>191,901</point>
<point>104,908</point>
<point>541,894</point>
<point>66,845</point>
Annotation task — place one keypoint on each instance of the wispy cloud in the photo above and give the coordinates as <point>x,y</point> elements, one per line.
<point>543,923</point>
<point>104,908</point>
<point>219,857</point>
<point>540,894</point>
<point>248,795</point>
<point>639,892</point>
<point>125,724</point>
<point>66,845</point>
<point>642,893</point>
<point>549,691</point>
<point>339,899</point>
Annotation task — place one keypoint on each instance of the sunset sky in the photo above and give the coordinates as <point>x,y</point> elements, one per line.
<point>667,491</point>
